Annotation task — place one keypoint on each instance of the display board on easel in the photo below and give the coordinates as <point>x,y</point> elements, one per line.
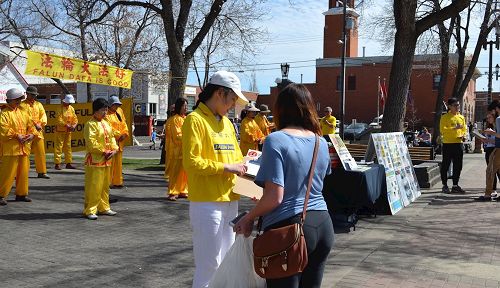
<point>402,184</point>
<point>344,155</point>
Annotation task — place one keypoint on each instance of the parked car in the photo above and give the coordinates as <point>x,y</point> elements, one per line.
<point>377,121</point>
<point>355,131</point>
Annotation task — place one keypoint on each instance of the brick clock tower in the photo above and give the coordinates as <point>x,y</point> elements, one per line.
<point>333,30</point>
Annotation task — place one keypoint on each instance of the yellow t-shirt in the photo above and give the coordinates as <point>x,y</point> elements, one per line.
<point>250,134</point>
<point>447,128</point>
<point>325,128</point>
<point>99,138</point>
<point>208,145</point>
<point>173,137</point>
<point>65,115</point>
<point>37,114</point>
<point>12,123</point>
<point>263,123</point>
<point>119,124</point>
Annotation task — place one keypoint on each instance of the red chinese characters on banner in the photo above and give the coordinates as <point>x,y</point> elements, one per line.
<point>120,73</point>
<point>47,61</point>
<point>67,64</point>
<point>85,68</point>
<point>103,71</point>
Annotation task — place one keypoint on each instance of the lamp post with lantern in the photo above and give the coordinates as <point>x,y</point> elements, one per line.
<point>490,66</point>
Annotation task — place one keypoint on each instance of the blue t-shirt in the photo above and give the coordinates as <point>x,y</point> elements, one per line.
<point>497,129</point>
<point>285,161</point>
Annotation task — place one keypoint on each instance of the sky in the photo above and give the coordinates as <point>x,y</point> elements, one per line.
<point>296,37</point>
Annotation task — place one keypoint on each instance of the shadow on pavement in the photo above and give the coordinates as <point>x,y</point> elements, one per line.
<point>40,216</point>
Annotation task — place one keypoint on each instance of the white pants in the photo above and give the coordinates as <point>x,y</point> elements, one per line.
<point>212,237</point>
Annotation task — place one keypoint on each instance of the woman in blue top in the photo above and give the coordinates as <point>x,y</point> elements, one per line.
<point>489,146</point>
<point>284,170</point>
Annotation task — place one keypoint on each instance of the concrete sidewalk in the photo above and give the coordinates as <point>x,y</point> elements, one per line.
<point>438,241</point>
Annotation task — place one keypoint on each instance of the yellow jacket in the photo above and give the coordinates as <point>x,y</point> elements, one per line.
<point>12,123</point>
<point>447,128</point>
<point>65,115</point>
<point>209,144</point>
<point>325,128</point>
<point>173,137</point>
<point>264,124</point>
<point>98,139</point>
<point>250,134</point>
<point>119,124</point>
<point>37,115</point>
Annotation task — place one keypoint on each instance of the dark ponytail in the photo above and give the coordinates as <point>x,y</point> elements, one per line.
<point>208,92</point>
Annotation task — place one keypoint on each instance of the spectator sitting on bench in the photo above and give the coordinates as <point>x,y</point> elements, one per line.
<point>424,138</point>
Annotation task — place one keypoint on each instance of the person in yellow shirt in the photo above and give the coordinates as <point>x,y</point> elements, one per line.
<point>37,115</point>
<point>261,119</point>
<point>452,128</point>
<point>211,158</point>
<point>116,118</point>
<point>328,122</point>
<point>177,178</point>
<point>16,134</point>
<point>66,124</point>
<point>250,134</point>
<point>101,146</point>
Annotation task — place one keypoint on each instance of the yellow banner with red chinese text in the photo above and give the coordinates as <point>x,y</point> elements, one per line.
<point>54,66</point>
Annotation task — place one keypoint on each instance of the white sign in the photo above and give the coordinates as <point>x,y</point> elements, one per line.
<point>190,90</point>
<point>344,155</point>
<point>10,78</point>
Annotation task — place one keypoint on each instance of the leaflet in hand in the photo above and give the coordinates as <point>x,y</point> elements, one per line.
<point>252,162</point>
<point>478,135</point>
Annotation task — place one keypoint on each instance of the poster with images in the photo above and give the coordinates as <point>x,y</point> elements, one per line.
<point>402,184</point>
<point>345,156</point>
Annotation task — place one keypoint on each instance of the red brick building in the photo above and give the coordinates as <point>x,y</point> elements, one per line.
<point>482,104</point>
<point>362,74</point>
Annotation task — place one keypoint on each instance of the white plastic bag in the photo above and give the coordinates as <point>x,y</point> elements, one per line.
<point>236,270</point>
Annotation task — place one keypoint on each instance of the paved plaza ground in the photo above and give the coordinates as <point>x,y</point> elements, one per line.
<point>438,241</point>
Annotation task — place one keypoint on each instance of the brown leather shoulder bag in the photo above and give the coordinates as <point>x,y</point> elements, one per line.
<point>282,252</point>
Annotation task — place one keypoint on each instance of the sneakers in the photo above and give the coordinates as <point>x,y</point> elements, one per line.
<point>23,198</point>
<point>445,189</point>
<point>183,195</point>
<point>483,198</point>
<point>3,202</point>
<point>108,213</point>
<point>172,197</point>
<point>43,175</point>
<point>69,166</point>
<point>92,217</point>
<point>57,167</point>
<point>457,189</point>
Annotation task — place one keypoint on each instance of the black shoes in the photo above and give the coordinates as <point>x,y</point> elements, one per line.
<point>3,202</point>
<point>457,189</point>
<point>43,175</point>
<point>23,198</point>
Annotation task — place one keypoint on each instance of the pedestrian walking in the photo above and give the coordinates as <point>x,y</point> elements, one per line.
<point>116,118</point>
<point>38,118</point>
<point>154,136</point>
<point>211,157</point>
<point>285,165</point>
<point>66,124</point>
<point>101,146</point>
<point>16,134</point>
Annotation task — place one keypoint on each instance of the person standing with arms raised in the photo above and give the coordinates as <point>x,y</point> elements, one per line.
<point>116,118</point>
<point>211,158</point>
<point>66,124</point>
<point>452,128</point>
<point>16,134</point>
<point>39,119</point>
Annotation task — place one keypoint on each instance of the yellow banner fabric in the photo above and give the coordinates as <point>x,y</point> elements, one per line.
<point>84,113</point>
<point>54,66</point>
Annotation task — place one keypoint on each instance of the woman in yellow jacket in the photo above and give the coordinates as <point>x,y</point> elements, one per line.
<point>116,119</point>
<point>211,158</point>
<point>101,146</point>
<point>177,183</point>
<point>66,124</point>
<point>250,134</point>
<point>16,134</point>
<point>39,119</point>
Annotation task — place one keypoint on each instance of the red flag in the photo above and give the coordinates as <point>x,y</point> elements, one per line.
<point>383,94</point>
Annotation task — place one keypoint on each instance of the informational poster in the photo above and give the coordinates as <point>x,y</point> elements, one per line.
<point>83,112</point>
<point>344,155</point>
<point>402,184</point>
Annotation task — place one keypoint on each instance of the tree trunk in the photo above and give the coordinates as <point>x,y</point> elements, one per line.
<point>178,72</point>
<point>404,49</point>
<point>445,63</point>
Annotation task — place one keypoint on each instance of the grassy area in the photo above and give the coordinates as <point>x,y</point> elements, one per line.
<point>130,164</point>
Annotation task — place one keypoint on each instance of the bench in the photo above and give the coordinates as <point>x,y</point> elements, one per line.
<point>417,154</point>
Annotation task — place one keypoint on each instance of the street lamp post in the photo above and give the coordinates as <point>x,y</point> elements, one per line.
<point>342,71</point>
<point>490,66</point>
<point>285,68</point>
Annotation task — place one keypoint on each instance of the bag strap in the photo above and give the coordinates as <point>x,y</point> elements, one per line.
<point>311,174</point>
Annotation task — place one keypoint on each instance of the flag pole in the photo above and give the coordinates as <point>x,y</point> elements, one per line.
<point>378,102</point>
<point>385,96</point>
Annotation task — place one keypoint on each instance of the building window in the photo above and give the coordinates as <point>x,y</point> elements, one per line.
<point>152,109</point>
<point>338,83</point>
<point>351,83</point>
<point>191,102</point>
<point>436,80</point>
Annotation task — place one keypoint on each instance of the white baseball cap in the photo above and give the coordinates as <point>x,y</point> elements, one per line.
<point>229,80</point>
<point>69,99</point>
<point>14,93</point>
<point>114,100</point>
